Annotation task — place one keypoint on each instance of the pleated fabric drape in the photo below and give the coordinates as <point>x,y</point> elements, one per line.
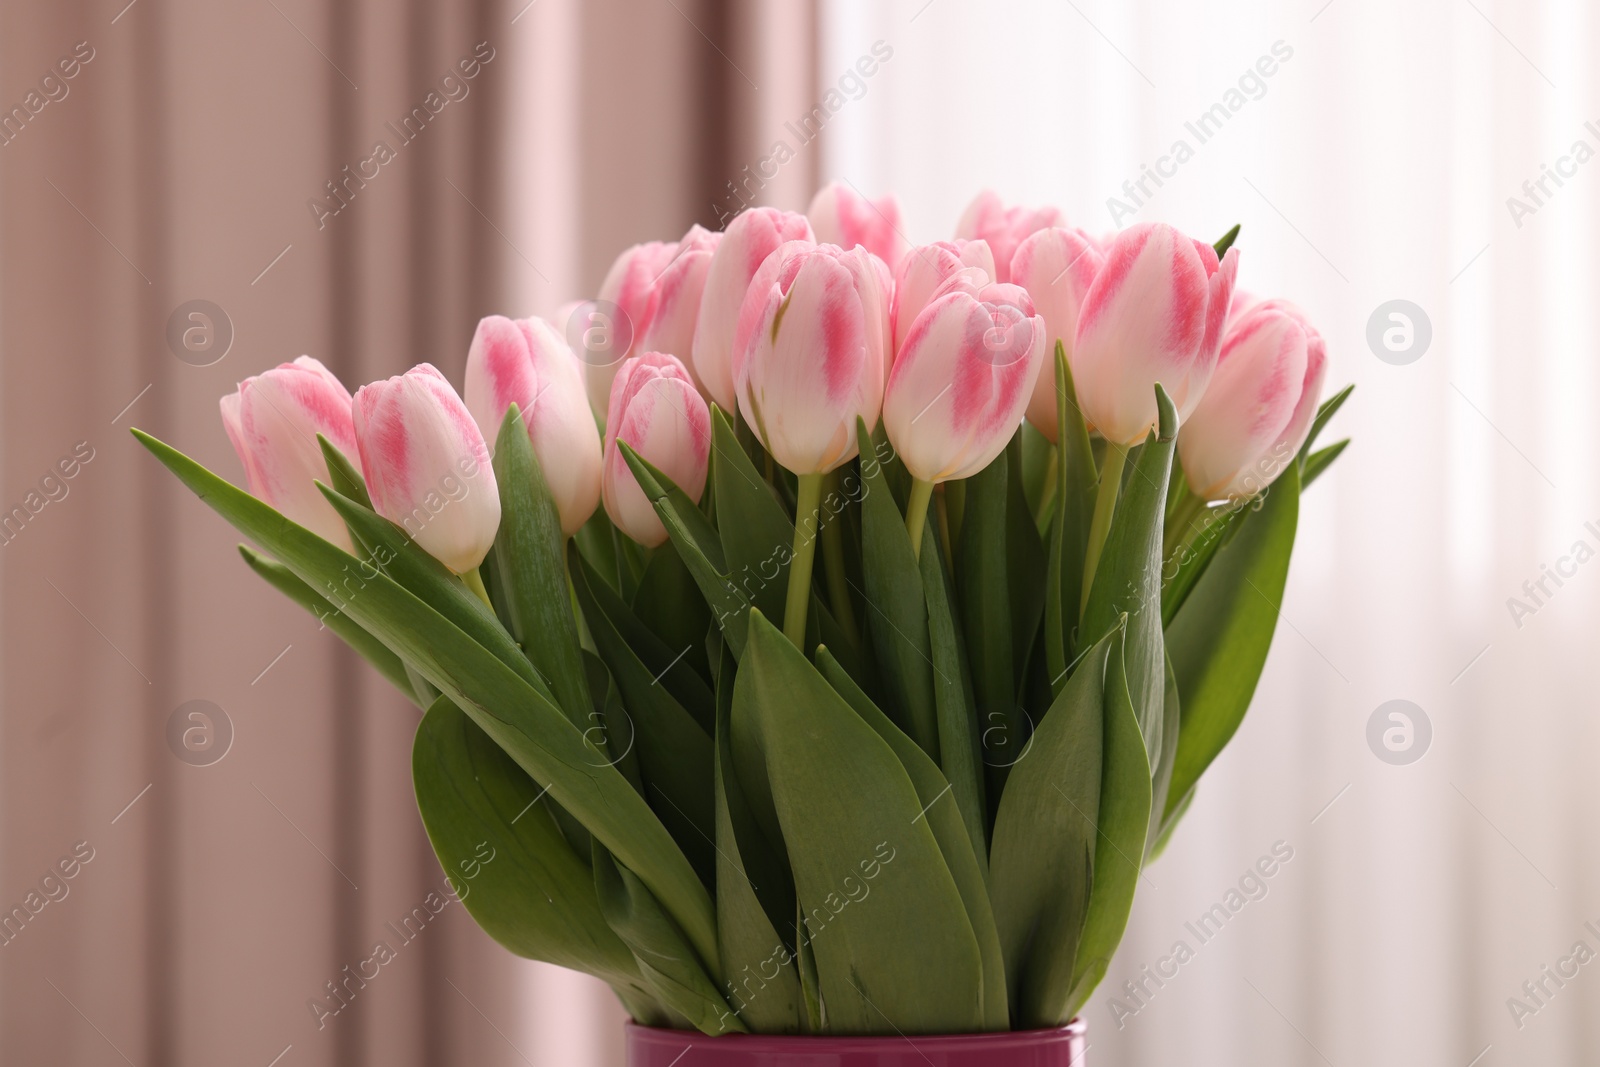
<point>360,182</point>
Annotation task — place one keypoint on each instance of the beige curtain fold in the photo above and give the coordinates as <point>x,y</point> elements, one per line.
<point>189,158</point>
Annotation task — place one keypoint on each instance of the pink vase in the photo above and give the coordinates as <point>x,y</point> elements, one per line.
<point>1064,1047</point>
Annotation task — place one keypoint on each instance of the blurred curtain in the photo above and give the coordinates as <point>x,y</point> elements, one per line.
<point>1373,152</point>
<point>230,154</point>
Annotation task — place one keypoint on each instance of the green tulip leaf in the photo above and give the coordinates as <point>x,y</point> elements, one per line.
<point>529,569</point>
<point>881,913</point>
<point>675,757</point>
<point>511,710</point>
<point>527,888</point>
<point>949,829</point>
<point>897,613</point>
<point>1321,460</point>
<point>952,698</point>
<point>1219,639</point>
<point>663,954</point>
<point>1128,579</point>
<point>1042,861</point>
<point>755,897</point>
<point>1123,826</point>
<point>371,649</point>
<point>1077,477</point>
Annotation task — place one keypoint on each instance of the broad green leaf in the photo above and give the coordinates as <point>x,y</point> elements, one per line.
<point>1038,471</point>
<point>675,757</point>
<point>528,890</point>
<point>897,612</point>
<point>757,536</point>
<point>1161,772</point>
<point>1042,860</point>
<point>372,650</point>
<point>1189,561</point>
<point>758,961</point>
<point>531,573</point>
<point>985,576</point>
<point>1320,461</point>
<point>1220,637</point>
<point>949,829</point>
<point>1128,579</point>
<point>1025,560</point>
<point>1329,408</point>
<point>958,724</point>
<point>881,912</point>
<point>1077,476</point>
<point>597,540</point>
<point>1123,822</point>
<point>663,954</point>
<point>620,734</point>
<point>665,663</point>
<point>1169,824</point>
<point>512,711</point>
<point>669,606</point>
<point>392,552</point>
<point>342,474</point>
<point>698,545</point>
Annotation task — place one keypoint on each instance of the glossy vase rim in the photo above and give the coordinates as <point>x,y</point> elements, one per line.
<point>654,1047</point>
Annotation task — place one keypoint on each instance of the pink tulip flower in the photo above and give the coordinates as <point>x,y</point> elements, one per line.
<point>987,218</point>
<point>273,419</point>
<point>924,269</point>
<point>608,327</point>
<point>1154,313</point>
<point>748,240</point>
<point>657,410</point>
<point>1258,409</point>
<point>963,378</point>
<point>527,363</point>
<point>841,216</point>
<point>1056,266</point>
<point>675,301</point>
<point>810,353</point>
<point>427,466</point>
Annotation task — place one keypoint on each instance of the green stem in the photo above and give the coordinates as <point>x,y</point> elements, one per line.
<point>1184,512</point>
<point>1105,504</point>
<point>805,549</point>
<point>474,582</point>
<point>917,513</point>
<point>833,556</point>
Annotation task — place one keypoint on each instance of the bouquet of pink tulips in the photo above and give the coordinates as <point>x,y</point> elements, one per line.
<point>903,784</point>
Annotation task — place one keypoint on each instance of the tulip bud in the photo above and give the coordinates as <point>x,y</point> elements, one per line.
<point>656,409</point>
<point>1154,313</point>
<point>924,269</point>
<point>1258,409</point>
<point>963,378</point>
<point>527,363</point>
<point>988,219</point>
<point>749,239</point>
<point>841,216</point>
<point>273,419</point>
<point>809,353</point>
<point>1056,266</point>
<point>610,325</point>
<point>427,465</point>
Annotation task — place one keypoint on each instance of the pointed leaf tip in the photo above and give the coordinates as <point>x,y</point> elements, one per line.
<point>1167,421</point>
